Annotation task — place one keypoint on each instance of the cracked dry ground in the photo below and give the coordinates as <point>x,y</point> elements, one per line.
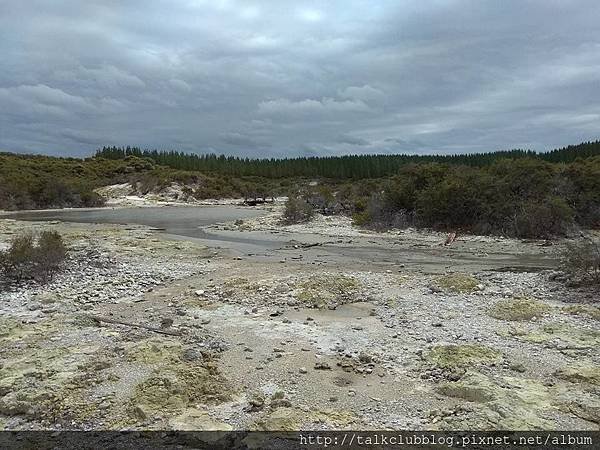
<point>271,346</point>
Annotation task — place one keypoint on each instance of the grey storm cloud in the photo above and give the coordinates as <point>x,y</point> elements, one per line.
<point>287,78</point>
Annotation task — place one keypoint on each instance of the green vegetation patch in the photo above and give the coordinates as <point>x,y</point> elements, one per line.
<point>154,351</point>
<point>560,336</point>
<point>13,332</point>
<point>49,384</point>
<point>328,290</point>
<point>518,309</point>
<point>580,373</point>
<point>451,356</point>
<point>593,312</point>
<point>292,419</point>
<point>197,420</point>
<point>234,285</point>
<point>460,283</point>
<point>473,387</point>
<point>9,326</point>
<point>507,404</point>
<point>175,387</point>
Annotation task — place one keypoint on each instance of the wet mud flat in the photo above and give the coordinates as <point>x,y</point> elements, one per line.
<point>324,328</point>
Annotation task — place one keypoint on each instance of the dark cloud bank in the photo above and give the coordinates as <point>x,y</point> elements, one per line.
<point>275,78</point>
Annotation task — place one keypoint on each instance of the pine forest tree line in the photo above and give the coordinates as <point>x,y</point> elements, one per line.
<point>336,167</point>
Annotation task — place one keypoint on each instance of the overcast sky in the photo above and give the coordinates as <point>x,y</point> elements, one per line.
<point>276,78</point>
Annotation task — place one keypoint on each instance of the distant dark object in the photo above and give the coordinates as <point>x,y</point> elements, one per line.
<point>258,201</point>
<point>451,238</point>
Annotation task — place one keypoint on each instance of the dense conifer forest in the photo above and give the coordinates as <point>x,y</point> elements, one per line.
<point>336,167</point>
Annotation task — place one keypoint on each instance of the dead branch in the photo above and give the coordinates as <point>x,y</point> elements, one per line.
<point>135,325</point>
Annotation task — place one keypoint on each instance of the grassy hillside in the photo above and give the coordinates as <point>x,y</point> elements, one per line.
<point>36,182</point>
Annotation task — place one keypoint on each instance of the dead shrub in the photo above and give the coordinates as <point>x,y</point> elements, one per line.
<point>27,259</point>
<point>297,210</point>
<point>51,253</point>
<point>581,260</point>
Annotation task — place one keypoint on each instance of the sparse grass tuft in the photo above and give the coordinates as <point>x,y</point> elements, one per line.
<point>580,373</point>
<point>323,291</point>
<point>593,312</point>
<point>452,356</point>
<point>457,282</point>
<point>518,309</point>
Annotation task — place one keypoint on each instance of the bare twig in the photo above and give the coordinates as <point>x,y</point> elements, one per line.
<point>135,325</point>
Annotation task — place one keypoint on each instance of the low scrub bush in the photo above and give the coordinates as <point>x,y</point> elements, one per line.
<point>297,210</point>
<point>523,198</point>
<point>30,258</point>
<point>548,218</point>
<point>376,213</point>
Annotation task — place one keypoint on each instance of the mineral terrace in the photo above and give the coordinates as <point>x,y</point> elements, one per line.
<point>335,329</point>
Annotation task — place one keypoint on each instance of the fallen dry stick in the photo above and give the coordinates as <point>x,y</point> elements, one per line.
<point>135,325</point>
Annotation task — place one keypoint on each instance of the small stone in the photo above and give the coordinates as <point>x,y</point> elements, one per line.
<point>166,322</point>
<point>433,289</point>
<point>322,366</point>
<point>517,367</point>
<point>257,402</point>
<point>365,358</point>
<point>192,354</point>
<point>139,412</point>
<point>281,403</point>
<point>302,370</point>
